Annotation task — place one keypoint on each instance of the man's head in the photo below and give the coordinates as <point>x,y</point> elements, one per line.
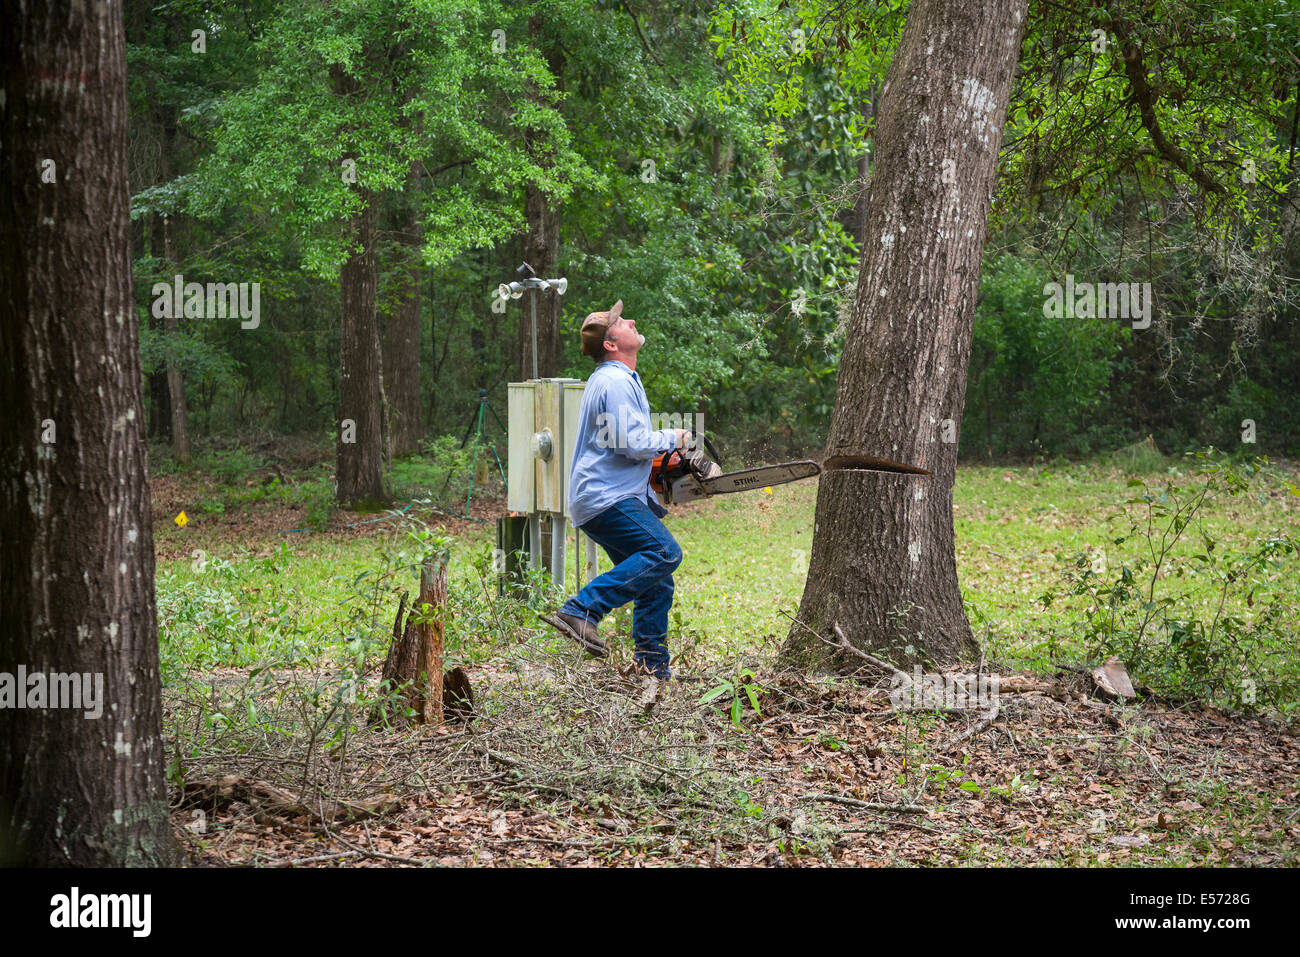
<point>609,335</point>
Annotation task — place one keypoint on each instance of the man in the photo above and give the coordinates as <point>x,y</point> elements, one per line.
<point>611,500</point>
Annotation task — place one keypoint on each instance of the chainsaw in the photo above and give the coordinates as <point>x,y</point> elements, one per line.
<point>686,474</point>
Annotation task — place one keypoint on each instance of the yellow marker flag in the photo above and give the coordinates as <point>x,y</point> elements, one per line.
<point>181,520</point>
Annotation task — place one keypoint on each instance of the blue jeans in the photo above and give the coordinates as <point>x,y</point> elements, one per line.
<point>645,555</point>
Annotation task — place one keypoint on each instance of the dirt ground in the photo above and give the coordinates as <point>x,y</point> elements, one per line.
<point>1059,777</point>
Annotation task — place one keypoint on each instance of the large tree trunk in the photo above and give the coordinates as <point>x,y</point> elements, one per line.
<point>361,431</point>
<point>76,539</point>
<point>882,564</point>
<point>402,356</point>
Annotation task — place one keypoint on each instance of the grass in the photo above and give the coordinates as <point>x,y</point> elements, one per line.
<point>746,558</point>
<point>288,621</point>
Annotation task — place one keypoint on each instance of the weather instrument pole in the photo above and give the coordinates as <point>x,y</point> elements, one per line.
<point>529,280</point>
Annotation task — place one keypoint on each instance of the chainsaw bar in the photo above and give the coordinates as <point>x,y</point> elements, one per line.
<point>691,486</point>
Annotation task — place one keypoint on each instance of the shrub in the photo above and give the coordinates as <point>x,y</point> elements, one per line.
<point>1228,634</point>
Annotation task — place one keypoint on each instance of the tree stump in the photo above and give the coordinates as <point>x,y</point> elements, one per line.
<point>416,653</point>
<point>458,696</point>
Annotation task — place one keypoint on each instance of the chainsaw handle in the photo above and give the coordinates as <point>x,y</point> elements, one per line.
<point>708,447</point>
<point>667,460</point>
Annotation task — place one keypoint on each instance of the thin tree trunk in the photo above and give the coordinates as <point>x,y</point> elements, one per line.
<point>79,786</point>
<point>541,251</point>
<point>180,415</point>
<point>175,385</point>
<point>402,356</point>
<point>868,110</point>
<point>361,431</point>
<point>159,402</point>
<point>883,565</point>
<point>139,17</point>
<point>722,160</point>
<point>165,118</point>
<point>541,246</point>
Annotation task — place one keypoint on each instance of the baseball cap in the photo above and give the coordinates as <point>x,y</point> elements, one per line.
<point>594,328</point>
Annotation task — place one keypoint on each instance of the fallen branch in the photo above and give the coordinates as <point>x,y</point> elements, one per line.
<point>268,798</point>
<point>843,645</point>
<point>316,859</point>
<point>1024,684</point>
<point>981,725</point>
<point>380,855</point>
<point>866,805</point>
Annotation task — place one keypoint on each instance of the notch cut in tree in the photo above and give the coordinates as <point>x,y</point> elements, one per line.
<point>415,658</point>
<point>883,564</point>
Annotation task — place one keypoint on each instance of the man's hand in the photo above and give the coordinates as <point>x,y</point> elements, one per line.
<point>684,437</point>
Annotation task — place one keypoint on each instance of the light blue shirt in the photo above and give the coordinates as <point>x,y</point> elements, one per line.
<point>616,446</point>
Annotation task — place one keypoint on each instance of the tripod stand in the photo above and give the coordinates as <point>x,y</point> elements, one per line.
<point>475,428</point>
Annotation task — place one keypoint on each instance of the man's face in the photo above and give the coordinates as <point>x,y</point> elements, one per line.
<point>622,333</point>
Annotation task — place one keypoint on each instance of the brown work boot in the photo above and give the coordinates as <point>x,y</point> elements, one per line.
<point>580,630</point>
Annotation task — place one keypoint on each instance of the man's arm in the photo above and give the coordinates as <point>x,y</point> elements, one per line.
<point>635,439</point>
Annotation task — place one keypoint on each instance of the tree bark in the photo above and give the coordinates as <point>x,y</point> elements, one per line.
<point>541,245</point>
<point>76,538</point>
<point>402,356</point>
<point>883,564</point>
<point>361,432</point>
<point>416,654</point>
<point>541,251</point>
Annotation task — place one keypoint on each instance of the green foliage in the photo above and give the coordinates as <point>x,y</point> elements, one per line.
<point>442,473</point>
<point>1140,457</point>
<point>1237,646</point>
<point>388,86</point>
<point>1037,382</point>
<point>1217,88</point>
<point>229,465</point>
<point>742,688</point>
<point>200,360</point>
<point>768,48</point>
